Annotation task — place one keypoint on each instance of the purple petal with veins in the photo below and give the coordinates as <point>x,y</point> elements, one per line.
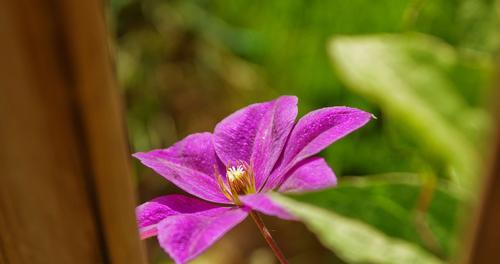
<point>311,174</point>
<point>186,236</point>
<point>189,164</point>
<point>149,214</point>
<point>313,133</point>
<point>256,134</point>
<point>263,203</point>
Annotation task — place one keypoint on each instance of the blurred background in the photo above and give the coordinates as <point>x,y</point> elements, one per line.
<point>407,180</point>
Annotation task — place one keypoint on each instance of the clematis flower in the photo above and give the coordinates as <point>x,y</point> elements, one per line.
<point>230,173</point>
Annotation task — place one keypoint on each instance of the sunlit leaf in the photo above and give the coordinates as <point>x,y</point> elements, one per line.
<point>405,206</point>
<point>353,240</point>
<point>410,78</point>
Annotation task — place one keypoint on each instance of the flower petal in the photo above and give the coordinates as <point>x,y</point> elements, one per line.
<point>256,134</point>
<point>309,175</point>
<point>320,128</point>
<point>313,133</point>
<point>186,236</point>
<point>189,164</point>
<point>263,203</point>
<point>149,214</point>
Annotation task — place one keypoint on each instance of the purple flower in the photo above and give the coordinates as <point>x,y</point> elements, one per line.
<point>231,171</point>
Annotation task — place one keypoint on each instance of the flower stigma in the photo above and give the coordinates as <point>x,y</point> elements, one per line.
<point>240,180</point>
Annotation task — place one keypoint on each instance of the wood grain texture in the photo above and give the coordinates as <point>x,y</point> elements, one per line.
<point>66,194</point>
<point>483,243</point>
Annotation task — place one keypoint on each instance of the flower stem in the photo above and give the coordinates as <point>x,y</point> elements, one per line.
<point>267,236</point>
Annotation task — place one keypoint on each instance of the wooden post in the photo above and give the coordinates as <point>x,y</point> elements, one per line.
<point>484,245</point>
<point>66,193</point>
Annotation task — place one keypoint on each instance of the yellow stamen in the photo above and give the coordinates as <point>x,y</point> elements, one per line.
<point>222,185</point>
<point>240,181</point>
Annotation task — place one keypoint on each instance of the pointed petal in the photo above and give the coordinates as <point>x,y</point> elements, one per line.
<point>320,128</point>
<point>263,203</point>
<point>313,133</point>
<point>189,164</point>
<point>256,134</point>
<point>310,174</point>
<point>186,236</point>
<point>149,214</point>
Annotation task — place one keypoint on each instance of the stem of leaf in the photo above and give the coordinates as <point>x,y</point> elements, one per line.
<point>267,236</point>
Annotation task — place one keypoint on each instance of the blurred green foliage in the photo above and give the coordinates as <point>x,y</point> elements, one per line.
<point>422,67</point>
<point>412,78</point>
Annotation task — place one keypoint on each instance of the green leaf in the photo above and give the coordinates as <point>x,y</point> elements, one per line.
<point>411,78</point>
<point>395,205</point>
<point>353,240</point>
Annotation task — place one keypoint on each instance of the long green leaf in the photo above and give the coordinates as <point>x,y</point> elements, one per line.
<point>404,206</point>
<point>409,77</point>
<point>353,240</point>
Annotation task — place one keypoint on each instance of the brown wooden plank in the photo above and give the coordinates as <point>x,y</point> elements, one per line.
<point>65,188</point>
<point>484,243</point>
<point>101,112</point>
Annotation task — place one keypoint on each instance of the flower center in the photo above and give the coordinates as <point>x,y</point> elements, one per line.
<point>240,181</point>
